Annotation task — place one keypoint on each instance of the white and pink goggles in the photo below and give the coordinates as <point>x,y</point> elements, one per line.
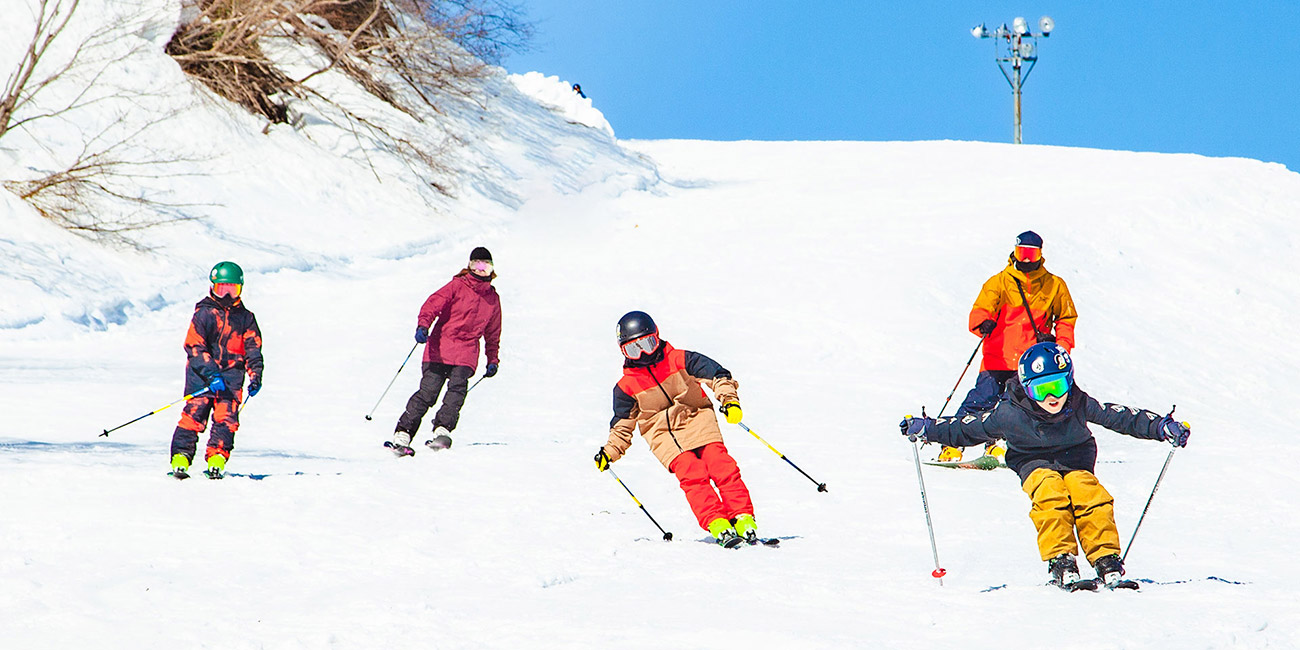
<point>481,267</point>
<point>640,347</point>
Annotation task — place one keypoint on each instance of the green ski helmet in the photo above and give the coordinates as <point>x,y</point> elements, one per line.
<point>226,273</point>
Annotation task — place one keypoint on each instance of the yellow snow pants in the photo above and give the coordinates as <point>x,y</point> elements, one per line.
<point>1062,503</point>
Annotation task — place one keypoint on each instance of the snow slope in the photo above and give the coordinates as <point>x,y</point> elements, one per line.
<point>832,278</point>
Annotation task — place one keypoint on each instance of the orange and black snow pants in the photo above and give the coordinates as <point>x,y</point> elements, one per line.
<point>1064,502</point>
<point>194,418</point>
<point>699,470</point>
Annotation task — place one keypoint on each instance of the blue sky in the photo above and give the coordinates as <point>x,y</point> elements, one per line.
<point>1214,78</point>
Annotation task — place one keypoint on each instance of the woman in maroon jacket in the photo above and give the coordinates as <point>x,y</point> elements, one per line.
<point>465,309</point>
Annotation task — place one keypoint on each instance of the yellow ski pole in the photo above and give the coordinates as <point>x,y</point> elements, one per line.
<point>821,487</point>
<point>183,399</point>
<point>668,537</point>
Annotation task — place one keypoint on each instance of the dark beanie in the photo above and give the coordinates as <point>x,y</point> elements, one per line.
<point>480,253</point>
<point>1029,238</point>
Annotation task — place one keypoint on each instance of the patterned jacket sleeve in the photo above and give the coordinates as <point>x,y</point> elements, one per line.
<point>1139,423</point>
<point>253,350</point>
<point>196,346</point>
<point>711,372</point>
<point>955,431</point>
<point>622,426</point>
<point>987,304</point>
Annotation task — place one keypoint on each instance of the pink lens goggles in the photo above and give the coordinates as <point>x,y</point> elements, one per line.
<point>482,267</point>
<point>640,347</point>
<point>226,290</point>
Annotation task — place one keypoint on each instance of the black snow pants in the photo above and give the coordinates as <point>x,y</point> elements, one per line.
<point>435,375</point>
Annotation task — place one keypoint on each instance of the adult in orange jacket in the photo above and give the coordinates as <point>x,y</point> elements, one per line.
<point>1022,305</point>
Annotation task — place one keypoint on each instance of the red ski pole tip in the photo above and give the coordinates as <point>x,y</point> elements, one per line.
<point>939,573</point>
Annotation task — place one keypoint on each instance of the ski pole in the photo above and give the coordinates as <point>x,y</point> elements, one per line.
<point>1150,498</point>
<point>183,399</point>
<point>390,384</point>
<point>668,537</point>
<point>467,390</point>
<point>939,572</point>
<point>821,487</point>
<point>962,376</point>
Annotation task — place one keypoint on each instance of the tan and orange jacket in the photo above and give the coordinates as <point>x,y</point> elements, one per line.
<point>1000,300</point>
<point>666,402</point>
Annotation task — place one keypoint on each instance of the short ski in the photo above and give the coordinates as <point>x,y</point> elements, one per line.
<point>983,462</point>
<point>771,542</point>
<point>179,474</point>
<point>399,450</point>
<point>438,443</point>
<point>1122,584</point>
<point>1083,584</point>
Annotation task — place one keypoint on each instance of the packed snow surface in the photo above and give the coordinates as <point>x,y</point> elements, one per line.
<point>832,278</point>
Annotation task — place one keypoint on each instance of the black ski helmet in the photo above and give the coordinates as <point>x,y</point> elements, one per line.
<point>634,325</point>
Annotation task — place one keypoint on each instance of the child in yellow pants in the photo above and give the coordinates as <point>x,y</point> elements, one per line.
<point>1044,419</point>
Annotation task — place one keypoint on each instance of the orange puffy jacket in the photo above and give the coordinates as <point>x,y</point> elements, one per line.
<point>1000,300</point>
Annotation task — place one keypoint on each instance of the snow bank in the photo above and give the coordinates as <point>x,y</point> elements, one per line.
<point>560,97</point>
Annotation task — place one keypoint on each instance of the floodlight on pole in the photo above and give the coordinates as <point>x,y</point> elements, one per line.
<point>1016,46</point>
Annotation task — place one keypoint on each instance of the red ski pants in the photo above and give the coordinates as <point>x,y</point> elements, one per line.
<point>711,480</point>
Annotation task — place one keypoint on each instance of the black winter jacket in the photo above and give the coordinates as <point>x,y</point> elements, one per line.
<point>1036,438</point>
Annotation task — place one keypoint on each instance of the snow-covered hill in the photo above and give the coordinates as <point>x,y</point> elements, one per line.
<point>832,278</point>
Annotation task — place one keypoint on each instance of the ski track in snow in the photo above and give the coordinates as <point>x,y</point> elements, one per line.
<point>832,278</point>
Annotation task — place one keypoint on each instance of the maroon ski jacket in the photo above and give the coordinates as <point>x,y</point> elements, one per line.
<point>465,309</point>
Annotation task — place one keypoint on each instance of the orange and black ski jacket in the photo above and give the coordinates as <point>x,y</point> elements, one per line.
<point>1050,306</point>
<point>222,339</point>
<point>666,402</point>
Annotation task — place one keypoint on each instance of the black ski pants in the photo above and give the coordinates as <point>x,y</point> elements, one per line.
<point>435,375</point>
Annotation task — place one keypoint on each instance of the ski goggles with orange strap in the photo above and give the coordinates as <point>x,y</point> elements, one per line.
<point>639,347</point>
<point>1029,253</point>
<point>227,289</point>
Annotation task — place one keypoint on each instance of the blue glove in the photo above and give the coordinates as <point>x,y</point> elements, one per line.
<point>217,384</point>
<point>491,370</point>
<point>254,385</point>
<point>421,334</point>
<point>1174,432</point>
<point>914,428</point>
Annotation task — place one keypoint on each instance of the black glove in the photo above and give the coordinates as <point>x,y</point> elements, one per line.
<point>491,370</point>
<point>421,334</point>
<point>1045,337</point>
<point>254,385</point>
<point>914,428</point>
<point>986,327</point>
<point>602,460</point>
<point>1174,432</point>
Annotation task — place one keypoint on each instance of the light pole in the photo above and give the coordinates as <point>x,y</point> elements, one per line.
<point>1016,46</point>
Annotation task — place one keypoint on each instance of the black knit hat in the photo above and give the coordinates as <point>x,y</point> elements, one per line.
<point>480,253</point>
<point>1029,238</point>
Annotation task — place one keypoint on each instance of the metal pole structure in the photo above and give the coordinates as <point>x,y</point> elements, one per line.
<point>1021,47</point>
<point>1015,87</point>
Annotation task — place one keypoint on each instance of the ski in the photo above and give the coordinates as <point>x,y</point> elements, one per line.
<point>179,474</point>
<point>770,542</point>
<point>438,443</point>
<point>399,450</point>
<point>1083,584</point>
<point>1122,584</point>
<point>214,473</point>
<point>983,462</point>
